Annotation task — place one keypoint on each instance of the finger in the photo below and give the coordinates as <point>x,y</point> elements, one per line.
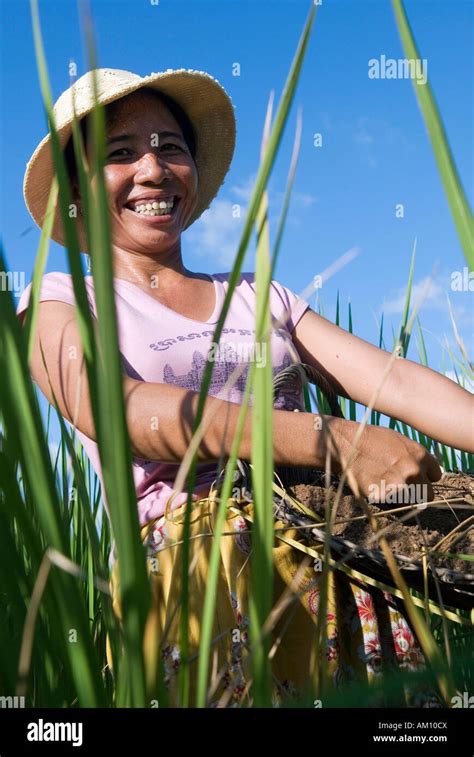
<point>418,488</point>
<point>432,468</point>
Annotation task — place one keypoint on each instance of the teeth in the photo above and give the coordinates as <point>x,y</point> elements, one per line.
<point>154,208</point>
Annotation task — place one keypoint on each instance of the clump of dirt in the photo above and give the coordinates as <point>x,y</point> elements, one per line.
<point>446,525</point>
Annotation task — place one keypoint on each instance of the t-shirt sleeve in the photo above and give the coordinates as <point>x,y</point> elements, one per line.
<point>286,305</point>
<point>54,286</point>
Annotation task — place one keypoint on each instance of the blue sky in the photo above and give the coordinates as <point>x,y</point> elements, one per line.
<point>375,152</point>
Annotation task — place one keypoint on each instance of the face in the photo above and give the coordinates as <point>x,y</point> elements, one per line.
<point>144,165</point>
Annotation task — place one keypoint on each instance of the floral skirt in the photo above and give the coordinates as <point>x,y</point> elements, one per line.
<point>366,632</point>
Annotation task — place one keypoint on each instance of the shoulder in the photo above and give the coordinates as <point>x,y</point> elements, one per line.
<point>55,285</point>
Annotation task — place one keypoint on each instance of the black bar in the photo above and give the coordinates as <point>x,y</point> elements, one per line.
<point>147,731</point>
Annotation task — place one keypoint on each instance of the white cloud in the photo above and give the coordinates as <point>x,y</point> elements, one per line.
<point>244,191</point>
<point>303,198</point>
<point>362,135</point>
<point>425,293</point>
<point>326,121</point>
<point>369,132</point>
<point>217,232</point>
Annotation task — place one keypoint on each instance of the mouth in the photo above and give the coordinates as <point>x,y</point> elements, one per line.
<point>155,211</point>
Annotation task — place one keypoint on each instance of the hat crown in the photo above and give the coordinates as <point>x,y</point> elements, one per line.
<point>108,80</point>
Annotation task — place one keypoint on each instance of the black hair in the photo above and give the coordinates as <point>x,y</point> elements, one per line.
<point>175,109</point>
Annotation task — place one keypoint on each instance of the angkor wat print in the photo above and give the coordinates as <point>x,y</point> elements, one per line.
<point>289,396</point>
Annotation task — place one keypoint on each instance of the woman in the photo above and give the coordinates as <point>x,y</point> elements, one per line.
<point>170,140</point>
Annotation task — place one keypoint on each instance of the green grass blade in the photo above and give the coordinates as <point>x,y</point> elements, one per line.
<point>352,404</point>
<point>404,335</point>
<point>20,410</point>
<point>114,442</point>
<point>260,598</point>
<point>458,204</point>
<point>105,387</point>
<point>40,263</point>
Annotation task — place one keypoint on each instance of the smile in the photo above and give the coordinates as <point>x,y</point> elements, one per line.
<point>156,209</point>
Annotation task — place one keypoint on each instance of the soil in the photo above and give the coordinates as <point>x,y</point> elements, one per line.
<point>454,493</point>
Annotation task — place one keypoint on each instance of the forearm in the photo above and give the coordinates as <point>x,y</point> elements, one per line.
<point>433,404</point>
<point>160,418</point>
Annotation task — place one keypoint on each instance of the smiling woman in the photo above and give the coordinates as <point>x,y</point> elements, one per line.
<point>161,145</point>
<point>167,156</point>
<point>171,144</point>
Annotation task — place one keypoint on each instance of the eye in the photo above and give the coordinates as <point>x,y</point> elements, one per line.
<point>115,152</point>
<point>170,144</point>
<point>121,150</point>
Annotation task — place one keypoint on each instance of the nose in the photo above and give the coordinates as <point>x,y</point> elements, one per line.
<point>150,167</point>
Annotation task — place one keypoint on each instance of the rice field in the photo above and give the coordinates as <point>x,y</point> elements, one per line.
<point>55,540</point>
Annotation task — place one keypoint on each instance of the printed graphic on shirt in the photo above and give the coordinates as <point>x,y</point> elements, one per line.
<point>165,344</point>
<point>289,397</point>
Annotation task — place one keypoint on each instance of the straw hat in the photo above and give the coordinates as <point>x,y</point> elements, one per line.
<point>204,100</point>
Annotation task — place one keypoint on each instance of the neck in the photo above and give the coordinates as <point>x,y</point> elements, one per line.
<point>161,269</point>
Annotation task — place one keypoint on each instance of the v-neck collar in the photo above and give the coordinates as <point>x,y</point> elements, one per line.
<point>218,291</point>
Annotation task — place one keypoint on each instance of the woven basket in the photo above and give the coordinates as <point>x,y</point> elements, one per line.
<point>442,585</point>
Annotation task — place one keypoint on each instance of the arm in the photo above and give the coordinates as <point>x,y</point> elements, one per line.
<point>418,396</point>
<point>167,440</point>
<point>297,438</point>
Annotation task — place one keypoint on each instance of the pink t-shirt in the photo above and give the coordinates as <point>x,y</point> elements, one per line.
<point>159,345</point>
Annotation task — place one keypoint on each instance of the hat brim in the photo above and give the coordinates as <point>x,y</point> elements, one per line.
<point>210,111</point>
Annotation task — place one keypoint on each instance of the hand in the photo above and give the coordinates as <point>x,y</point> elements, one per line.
<point>389,467</point>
